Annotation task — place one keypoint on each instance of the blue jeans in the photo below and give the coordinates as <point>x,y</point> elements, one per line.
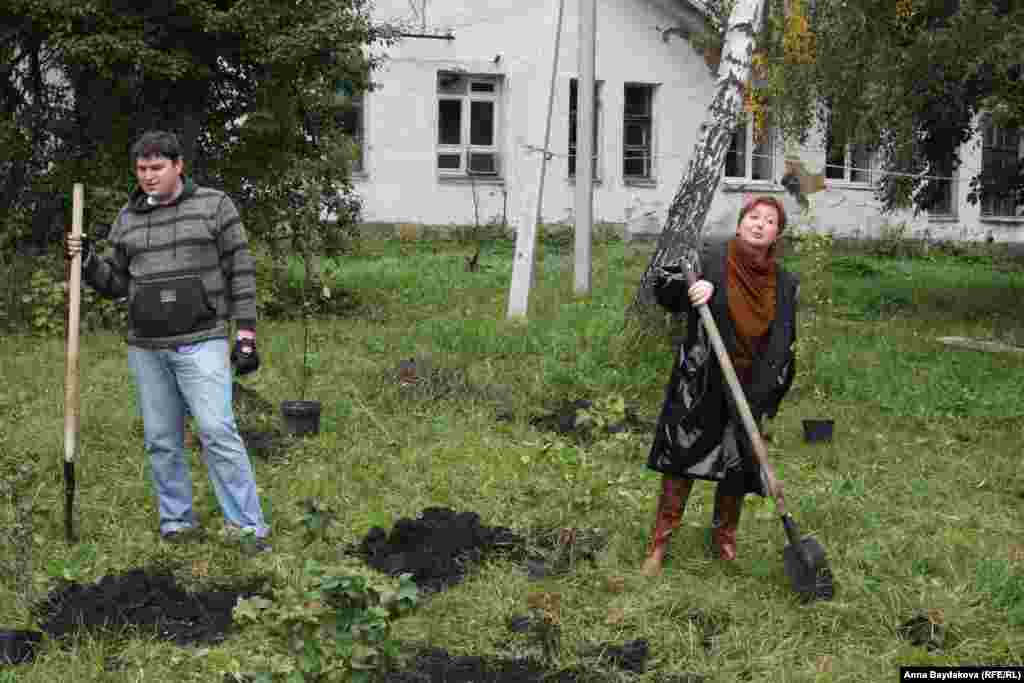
<point>195,378</point>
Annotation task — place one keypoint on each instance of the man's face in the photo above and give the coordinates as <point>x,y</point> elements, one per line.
<point>158,176</point>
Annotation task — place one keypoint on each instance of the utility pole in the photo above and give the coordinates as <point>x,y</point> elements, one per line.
<point>585,109</point>
<point>526,235</point>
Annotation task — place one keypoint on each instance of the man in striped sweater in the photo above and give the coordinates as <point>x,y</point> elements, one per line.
<point>180,255</point>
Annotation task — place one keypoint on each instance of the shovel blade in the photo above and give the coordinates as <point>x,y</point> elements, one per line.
<point>808,570</point>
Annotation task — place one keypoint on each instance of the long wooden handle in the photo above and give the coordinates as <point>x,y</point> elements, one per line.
<point>71,403</point>
<point>747,417</point>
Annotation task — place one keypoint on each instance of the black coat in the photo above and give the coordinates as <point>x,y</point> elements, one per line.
<point>688,438</point>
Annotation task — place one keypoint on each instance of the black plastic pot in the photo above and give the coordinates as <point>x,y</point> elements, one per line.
<point>18,647</point>
<point>818,430</point>
<point>301,417</point>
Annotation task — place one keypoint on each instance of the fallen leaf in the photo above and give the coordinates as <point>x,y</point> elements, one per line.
<point>616,615</point>
<point>1016,552</point>
<point>200,568</point>
<point>824,664</point>
<point>615,584</point>
<point>548,604</point>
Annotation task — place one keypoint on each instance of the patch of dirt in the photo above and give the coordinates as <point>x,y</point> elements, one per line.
<point>435,665</point>
<point>440,546</point>
<point>585,420</point>
<point>437,547</point>
<point>148,601</point>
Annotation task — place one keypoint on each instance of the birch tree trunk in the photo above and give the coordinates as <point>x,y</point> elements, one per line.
<point>680,237</point>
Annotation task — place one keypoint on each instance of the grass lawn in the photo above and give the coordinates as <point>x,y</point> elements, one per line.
<point>917,501</point>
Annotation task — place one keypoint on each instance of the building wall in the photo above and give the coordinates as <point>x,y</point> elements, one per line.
<point>514,40</point>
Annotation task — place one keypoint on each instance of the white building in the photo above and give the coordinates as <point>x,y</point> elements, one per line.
<point>471,93</point>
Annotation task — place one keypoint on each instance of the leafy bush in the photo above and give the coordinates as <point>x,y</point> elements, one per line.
<point>331,627</point>
<point>38,300</point>
<point>283,294</point>
<point>893,242</point>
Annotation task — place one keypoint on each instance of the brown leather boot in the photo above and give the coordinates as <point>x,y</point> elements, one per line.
<point>190,436</point>
<point>724,532</point>
<point>674,492</point>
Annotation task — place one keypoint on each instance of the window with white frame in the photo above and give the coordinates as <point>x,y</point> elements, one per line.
<point>751,154</point>
<point>942,202</point>
<point>573,112</point>
<point>467,124</point>
<point>1000,156</point>
<point>850,162</point>
<point>638,132</point>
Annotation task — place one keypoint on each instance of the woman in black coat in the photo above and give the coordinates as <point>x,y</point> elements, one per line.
<point>699,433</point>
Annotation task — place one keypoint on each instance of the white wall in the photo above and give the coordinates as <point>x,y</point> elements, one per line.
<point>401,183</point>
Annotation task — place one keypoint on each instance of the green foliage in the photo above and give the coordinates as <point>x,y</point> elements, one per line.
<point>906,78</point>
<point>71,568</point>
<point>317,517</point>
<point>37,301</point>
<point>332,626</point>
<point>251,89</point>
<point>1004,587</point>
<point>282,292</point>
<point>604,412</point>
<point>894,242</point>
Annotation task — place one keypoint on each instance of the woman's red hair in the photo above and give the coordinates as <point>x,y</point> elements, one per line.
<point>767,201</point>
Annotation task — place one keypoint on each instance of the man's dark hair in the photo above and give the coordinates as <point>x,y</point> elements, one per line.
<point>156,143</point>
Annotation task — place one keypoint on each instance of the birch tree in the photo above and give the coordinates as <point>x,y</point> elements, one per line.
<point>689,208</point>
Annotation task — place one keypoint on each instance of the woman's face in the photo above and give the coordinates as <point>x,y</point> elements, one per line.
<point>759,227</point>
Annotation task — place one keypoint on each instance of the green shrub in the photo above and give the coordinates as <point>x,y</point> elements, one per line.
<point>331,627</point>
<point>283,294</point>
<point>38,303</point>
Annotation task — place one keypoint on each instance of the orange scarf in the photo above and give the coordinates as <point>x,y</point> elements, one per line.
<point>750,284</point>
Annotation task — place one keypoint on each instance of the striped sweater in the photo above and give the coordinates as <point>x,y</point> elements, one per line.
<point>185,267</point>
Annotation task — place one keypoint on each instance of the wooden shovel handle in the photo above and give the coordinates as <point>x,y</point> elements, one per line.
<point>71,395</point>
<point>760,450</point>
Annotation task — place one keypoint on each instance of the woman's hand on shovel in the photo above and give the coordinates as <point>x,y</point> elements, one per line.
<point>78,245</point>
<point>700,292</point>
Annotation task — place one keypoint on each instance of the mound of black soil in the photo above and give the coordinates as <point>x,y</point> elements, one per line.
<point>437,547</point>
<point>437,666</point>
<point>149,602</point>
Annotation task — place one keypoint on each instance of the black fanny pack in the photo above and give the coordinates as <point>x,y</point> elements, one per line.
<point>171,306</point>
